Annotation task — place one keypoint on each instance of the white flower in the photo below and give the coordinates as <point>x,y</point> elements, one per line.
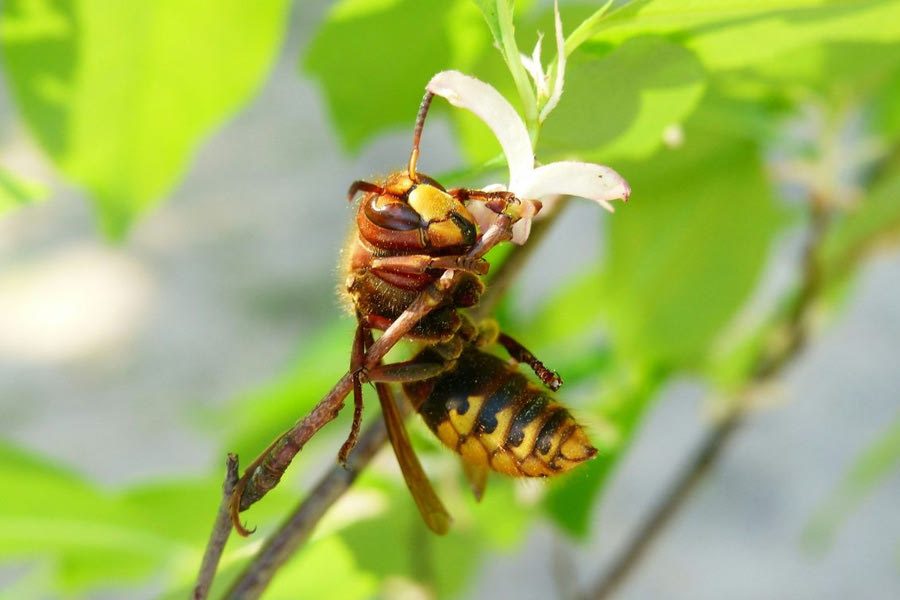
<point>528,183</point>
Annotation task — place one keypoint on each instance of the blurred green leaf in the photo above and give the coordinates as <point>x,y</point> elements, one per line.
<point>443,562</point>
<point>48,512</point>
<point>617,106</point>
<point>120,94</point>
<point>872,468</point>
<point>373,81</point>
<point>689,249</point>
<point>749,42</point>
<point>490,10</point>
<point>877,214</point>
<point>16,191</point>
<point>886,107</point>
<point>729,34</point>
<point>326,568</point>
<point>840,73</point>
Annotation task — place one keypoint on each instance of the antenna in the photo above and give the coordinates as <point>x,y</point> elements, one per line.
<point>417,134</point>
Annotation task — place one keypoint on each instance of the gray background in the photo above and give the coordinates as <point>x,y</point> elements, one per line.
<point>237,268</point>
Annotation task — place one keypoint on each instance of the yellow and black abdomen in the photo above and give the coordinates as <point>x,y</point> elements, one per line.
<point>491,414</point>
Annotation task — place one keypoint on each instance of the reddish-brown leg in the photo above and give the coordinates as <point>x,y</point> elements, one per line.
<point>410,370</point>
<point>521,354</point>
<point>420,263</point>
<point>495,201</point>
<point>357,357</point>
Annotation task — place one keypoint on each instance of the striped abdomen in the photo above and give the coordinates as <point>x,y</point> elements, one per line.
<point>492,415</point>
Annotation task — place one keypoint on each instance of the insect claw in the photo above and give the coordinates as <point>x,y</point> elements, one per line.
<point>243,531</point>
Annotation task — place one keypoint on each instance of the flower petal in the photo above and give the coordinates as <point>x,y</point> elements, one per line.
<point>594,182</point>
<point>520,231</point>
<point>497,113</point>
<point>484,217</point>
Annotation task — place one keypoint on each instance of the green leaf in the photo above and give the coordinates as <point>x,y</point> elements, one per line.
<point>491,11</point>
<point>879,461</point>
<point>840,73</point>
<point>735,33</point>
<point>325,568</point>
<point>617,106</point>
<point>876,216</point>
<point>48,512</point>
<point>441,562</point>
<point>689,248</point>
<point>771,35</point>
<point>120,94</point>
<point>371,81</point>
<point>16,191</point>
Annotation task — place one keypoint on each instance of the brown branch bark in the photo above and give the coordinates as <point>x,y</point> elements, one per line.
<point>220,532</point>
<point>295,531</point>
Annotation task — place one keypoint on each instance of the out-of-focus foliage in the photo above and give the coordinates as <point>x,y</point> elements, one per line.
<point>16,191</point>
<point>119,94</point>
<point>688,100</point>
<point>363,70</point>
<point>876,464</point>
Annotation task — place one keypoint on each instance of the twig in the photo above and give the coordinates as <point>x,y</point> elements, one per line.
<point>220,532</point>
<point>717,439</point>
<point>255,578</point>
<point>257,575</point>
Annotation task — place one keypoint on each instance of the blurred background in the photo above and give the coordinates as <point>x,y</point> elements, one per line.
<point>139,342</point>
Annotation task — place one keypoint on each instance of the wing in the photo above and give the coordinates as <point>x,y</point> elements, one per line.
<point>430,506</point>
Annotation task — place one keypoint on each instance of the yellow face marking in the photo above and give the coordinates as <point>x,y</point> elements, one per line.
<point>444,233</point>
<point>432,204</point>
<point>448,435</point>
<point>463,424</point>
<point>473,451</point>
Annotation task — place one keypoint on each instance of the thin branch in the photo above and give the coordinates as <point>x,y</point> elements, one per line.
<point>220,532</point>
<point>294,532</point>
<point>717,439</point>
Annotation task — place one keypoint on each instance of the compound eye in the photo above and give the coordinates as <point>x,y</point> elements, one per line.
<point>394,215</point>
